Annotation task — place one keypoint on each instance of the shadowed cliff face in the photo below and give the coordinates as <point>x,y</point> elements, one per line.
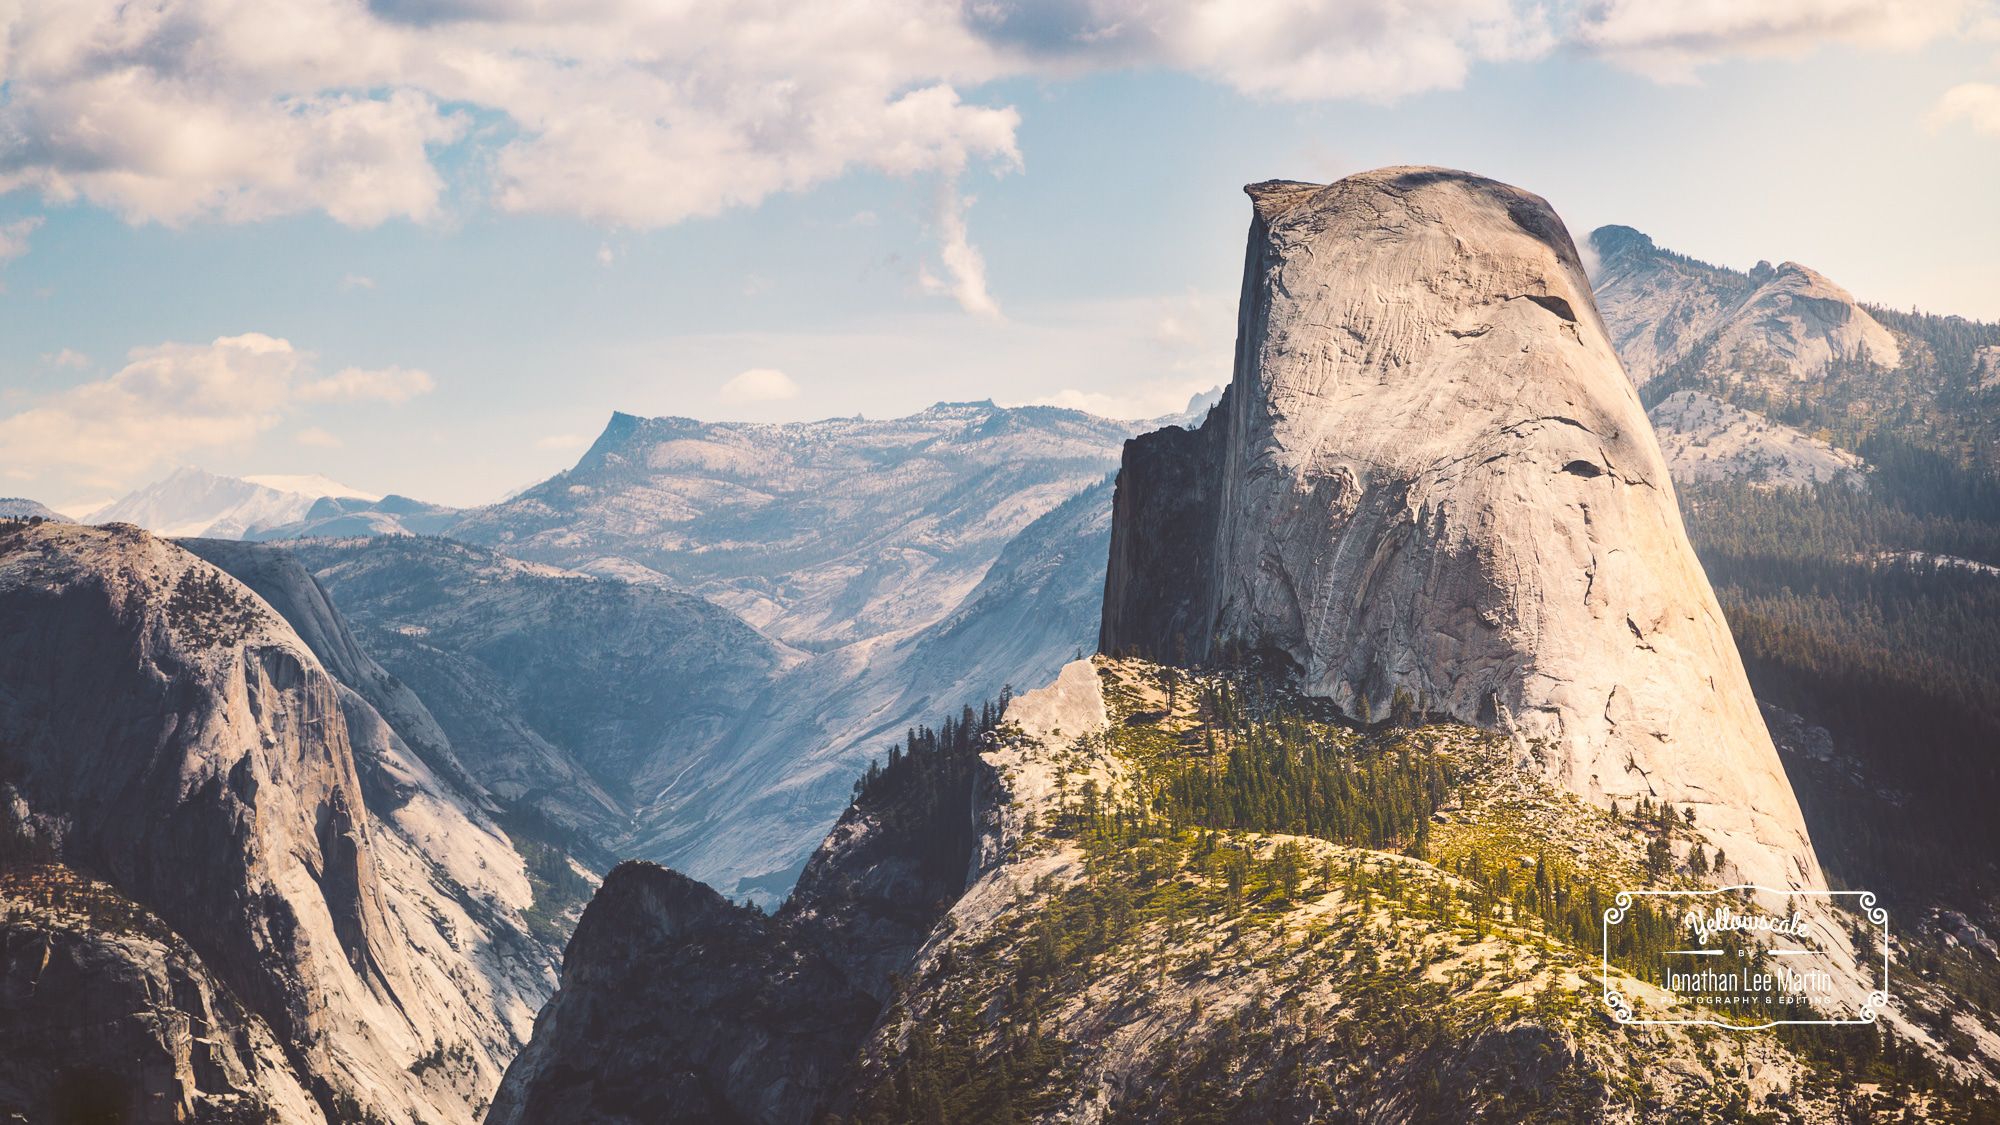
<point>679,1005</point>
<point>1431,479</point>
<point>1163,536</point>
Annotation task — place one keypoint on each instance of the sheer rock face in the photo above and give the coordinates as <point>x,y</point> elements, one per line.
<point>1431,477</point>
<point>163,730</point>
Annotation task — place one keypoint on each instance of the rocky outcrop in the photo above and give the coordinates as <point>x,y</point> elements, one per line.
<point>164,731</point>
<point>1163,543</point>
<point>1437,484</point>
<point>679,1005</point>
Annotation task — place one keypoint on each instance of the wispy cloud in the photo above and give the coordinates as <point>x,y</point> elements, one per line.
<point>359,384</point>
<point>964,265</point>
<point>66,358</point>
<point>314,437</point>
<point>14,237</point>
<point>1672,41</point>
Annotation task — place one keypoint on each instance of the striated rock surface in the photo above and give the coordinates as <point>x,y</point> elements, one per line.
<point>1437,483</point>
<point>164,732</point>
<point>574,693</point>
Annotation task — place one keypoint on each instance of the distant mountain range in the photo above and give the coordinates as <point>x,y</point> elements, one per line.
<point>830,585</point>
<point>720,623</point>
<point>22,508</point>
<point>819,533</point>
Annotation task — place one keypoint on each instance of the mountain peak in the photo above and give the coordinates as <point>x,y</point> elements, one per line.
<point>1422,534</point>
<point>1610,241</point>
<point>1785,322</point>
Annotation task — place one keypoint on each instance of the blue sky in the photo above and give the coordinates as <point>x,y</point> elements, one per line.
<point>458,323</point>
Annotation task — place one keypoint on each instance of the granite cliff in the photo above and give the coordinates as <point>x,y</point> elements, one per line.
<point>1430,486</point>
<point>187,790</point>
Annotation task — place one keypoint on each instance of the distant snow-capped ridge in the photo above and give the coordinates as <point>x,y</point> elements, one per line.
<point>191,501</point>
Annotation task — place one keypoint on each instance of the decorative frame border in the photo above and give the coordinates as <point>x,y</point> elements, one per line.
<point>1621,1010</point>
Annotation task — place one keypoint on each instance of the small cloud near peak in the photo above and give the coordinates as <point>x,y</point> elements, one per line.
<point>759,384</point>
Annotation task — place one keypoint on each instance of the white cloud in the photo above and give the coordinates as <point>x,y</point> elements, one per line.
<point>357,384</point>
<point>14,237</point>
<point>66,357</point>
<point>1670,41</point>
<point>560,442</point>
<point>172,399</point>
<point>634,114</point>
<point>1975,103</point>
<point>758,384</point>
<point>355,281</point>
<point>606,255</point>
<point>1151,399</point>
<point>166,401</point>
<point>964,265</point>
